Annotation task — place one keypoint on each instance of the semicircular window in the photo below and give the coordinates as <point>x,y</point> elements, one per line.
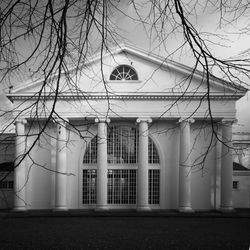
<point>124,73</point>
<point>122,147</point>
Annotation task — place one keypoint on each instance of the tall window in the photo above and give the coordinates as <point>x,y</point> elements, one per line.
<point>123,72</point>
<point>121,186</point>
<point>6,175</point>
<point>89,186</point>
<point>122,147</point>
<point>122,152</point>
<point>154,186</point>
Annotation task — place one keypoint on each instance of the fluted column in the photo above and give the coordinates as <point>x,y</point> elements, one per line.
<point>102,161</point>
<point>226,166</point>
<point>142,174</point>
<point>185,167</point>
<point>61,167</point>
<point>20,167</point>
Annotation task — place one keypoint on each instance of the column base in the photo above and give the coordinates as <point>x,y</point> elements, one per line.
<point>19,209</point>
<point>101,208</point>
<point>143,209</point>
<point>227,209</point>
<point>186,210</point>
<point>58,209</point>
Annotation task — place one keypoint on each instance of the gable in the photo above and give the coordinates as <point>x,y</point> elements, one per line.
<point>155,76</point>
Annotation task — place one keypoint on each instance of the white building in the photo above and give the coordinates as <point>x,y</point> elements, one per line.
<point>241,167</point>
<point>143,141</point>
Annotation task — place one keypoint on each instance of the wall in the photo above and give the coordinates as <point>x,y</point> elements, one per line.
<point>6,155</point>
<point>41,176</point>
<point>40,169</point>
<point>166,137</point>
<point>241,196</point>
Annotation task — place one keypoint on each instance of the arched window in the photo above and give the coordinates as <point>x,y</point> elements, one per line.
<point>122,152</point>
<point>122,147</point>
<point>124,72</point>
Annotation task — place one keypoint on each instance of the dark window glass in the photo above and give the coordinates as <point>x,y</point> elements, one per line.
<point>235,184</point>
<point>122,147</point>
<point>154,186</point>
<point>89,186</point>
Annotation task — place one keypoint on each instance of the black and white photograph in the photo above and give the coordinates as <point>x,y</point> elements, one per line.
<point>125,124</point>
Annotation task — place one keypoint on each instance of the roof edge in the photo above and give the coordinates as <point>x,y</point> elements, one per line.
<point>164,62</point>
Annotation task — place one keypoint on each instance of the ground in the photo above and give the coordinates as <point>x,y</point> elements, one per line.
<point>124,232</point>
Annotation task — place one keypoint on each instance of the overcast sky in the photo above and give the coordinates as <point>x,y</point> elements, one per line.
<point>230,43</point>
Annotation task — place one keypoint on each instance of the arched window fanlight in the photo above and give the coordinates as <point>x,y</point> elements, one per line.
<point>122,147</point>
<point>125,73</point>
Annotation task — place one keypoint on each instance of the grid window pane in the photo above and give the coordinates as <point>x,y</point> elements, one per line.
<point>6,184</point>
<point>3,184</point>
<point>121,186</point>
<point>10,184</point>
<point>122,147</point>
<point>154,186</point>
<point>153,156</point>
<point>235,184</point>
<point>89,186</point>
<point>90,156</point>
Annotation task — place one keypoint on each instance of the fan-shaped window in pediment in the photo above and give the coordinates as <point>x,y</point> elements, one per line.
<point>123,73</point>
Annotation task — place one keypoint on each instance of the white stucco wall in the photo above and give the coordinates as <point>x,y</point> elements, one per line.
<point>165,134</point>
<point>153,80</point>
<point>241,196</point>
<point>6,155</point>
<point>40,170</point>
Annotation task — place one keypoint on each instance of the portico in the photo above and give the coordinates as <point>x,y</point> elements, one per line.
<point>142,199</point>
<point>135,147</point>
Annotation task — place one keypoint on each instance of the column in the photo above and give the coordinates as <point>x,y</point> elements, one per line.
<point>226,166</point>
<point>61,167</point>
<point>102,161</point>
<point>217,170</point>
<point>185,167</point>
<point>142,173</point>
<point>20,167</point>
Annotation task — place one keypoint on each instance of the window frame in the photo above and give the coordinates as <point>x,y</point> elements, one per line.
<point>122,80</point>
<point>152,166</point>
<point>235,185</point>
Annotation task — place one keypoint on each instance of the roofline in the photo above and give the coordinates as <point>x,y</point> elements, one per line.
<point>127,96</point>
<point>165,62</point>
<point>161,61</point>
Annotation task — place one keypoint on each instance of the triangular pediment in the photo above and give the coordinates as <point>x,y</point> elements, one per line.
<point>156,76</point>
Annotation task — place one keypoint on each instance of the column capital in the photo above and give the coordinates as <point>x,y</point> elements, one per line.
<point>187,120</point>
<point>102,119</point>
<point>229,121</point>
<point>143,119</point>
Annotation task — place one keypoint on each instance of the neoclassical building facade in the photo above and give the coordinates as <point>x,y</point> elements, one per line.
<point>151,137</point>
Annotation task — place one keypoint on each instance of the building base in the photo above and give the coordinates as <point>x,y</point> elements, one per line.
<point>143,209</point>
<point>101,208</point>
<point>186,210</point>
<point>227,209</point>
<point>58,209</point>
<point>19,209</point>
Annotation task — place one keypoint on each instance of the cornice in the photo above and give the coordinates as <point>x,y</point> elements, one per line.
<point>241,173</point>
<point>126,96</point>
